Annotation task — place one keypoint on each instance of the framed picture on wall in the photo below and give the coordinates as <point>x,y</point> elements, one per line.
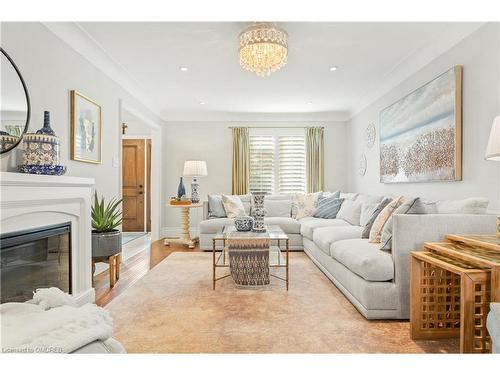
<point>421,134</point>
<point>86,129</point>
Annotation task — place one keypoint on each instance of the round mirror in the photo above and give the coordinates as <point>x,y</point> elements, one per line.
<point>14,104</point>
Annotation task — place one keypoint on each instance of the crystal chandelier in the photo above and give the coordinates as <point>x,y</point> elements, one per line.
<point>263,48</point>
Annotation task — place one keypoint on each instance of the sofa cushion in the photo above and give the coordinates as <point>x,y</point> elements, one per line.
<point>309,224</point>
<point>463,206</point>
<point>350,211</point>
<point>365,198</point>
<point>350,196</point>
<point>288,224</point>
<point>364,259</point>
<point>278,208</point>
<point>324,237</point>
<point>214,225</point>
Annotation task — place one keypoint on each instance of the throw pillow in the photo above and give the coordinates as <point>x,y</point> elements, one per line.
<point>327,208</point>
<point>368,226</point>
<point>215,207</point>
<point>367,210</point>
<point>233,206</point>
<point>305,204</point>
<point>382,218</point>
<point>327,194</point>
<point>350,211</point>
<point>408,206</point>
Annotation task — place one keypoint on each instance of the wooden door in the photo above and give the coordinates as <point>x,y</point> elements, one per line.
<point>133,181</point>
<point>148,184</point>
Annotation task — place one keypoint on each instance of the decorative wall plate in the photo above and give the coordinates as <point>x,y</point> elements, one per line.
<point>370,133</point>
<point>362,165</point>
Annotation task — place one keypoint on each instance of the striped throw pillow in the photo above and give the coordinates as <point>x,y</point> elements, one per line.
<point>328,207</point>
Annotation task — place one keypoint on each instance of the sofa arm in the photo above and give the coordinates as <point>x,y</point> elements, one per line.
<point>411,231</point>
<point>205,210</point>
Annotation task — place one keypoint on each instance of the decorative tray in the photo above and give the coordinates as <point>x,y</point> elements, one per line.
<point>52,170</point>
<point>180,203</point>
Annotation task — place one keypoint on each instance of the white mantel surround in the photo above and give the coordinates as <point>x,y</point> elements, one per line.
<point>31,201</point>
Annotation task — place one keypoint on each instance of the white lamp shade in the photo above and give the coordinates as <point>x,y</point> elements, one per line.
<point>493,149</point>
<point>195,168</point>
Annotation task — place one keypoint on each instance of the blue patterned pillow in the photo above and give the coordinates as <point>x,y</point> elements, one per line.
<point>328,207</point>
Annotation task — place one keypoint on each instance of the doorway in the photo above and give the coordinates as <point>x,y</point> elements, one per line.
<point>136,187</point>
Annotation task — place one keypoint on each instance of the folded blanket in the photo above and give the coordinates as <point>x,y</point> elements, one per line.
<point>29,328</point>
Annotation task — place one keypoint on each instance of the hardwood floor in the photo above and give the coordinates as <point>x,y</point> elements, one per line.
<point>133,269</point>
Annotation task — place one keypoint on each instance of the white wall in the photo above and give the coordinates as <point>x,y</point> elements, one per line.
<point>479,56</point>
<point>211,141</point>
<point>51,69</point>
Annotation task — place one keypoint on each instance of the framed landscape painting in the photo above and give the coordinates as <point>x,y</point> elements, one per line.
<point>86,137</point>
<point>421,134</point>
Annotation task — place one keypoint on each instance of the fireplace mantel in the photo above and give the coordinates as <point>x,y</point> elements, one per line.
<point>32,201</point>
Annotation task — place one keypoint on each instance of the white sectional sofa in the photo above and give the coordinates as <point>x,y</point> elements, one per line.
<point>376,282</point>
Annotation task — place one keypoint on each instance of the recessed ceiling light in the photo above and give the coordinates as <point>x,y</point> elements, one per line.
<point>183,68</point>
<point>202,103</point>
<point>333,68</point>
<point>309,103</point>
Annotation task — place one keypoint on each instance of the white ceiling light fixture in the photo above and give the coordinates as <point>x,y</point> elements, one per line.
<point>183,68</point>
<point>333,68</point>
<point>202,103</point>
<point>263,48</point>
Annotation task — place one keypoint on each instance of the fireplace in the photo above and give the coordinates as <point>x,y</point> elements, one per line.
<point>35,258</point>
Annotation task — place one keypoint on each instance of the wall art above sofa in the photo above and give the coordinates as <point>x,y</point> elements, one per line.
<point>421,134</point>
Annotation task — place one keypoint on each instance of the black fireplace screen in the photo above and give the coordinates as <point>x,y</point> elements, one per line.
<point>32,259</point>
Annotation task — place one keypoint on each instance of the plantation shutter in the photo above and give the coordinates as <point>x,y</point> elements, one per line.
<point>262,163</point>
<point>291,166</point>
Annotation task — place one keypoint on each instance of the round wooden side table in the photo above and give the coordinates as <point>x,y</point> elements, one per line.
<point>185,237</point>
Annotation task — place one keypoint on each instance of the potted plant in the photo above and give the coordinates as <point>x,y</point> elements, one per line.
<point>106,218</point>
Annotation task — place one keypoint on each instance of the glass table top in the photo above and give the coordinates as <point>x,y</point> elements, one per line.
<point>274,232</point>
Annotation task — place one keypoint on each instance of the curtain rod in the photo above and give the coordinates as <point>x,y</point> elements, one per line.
<point>275,127</point>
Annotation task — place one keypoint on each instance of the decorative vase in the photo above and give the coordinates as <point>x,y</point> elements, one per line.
<point>181,190</point>
<point>258,211</point>
<point>244,223</point>
<point>195,195</point>
<point>41,151</point>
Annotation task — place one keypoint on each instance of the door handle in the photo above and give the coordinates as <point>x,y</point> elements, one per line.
<point>140,186</point>
<point>140,192</point>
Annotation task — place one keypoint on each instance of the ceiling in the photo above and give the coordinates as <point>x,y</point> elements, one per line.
<point>369,56</point>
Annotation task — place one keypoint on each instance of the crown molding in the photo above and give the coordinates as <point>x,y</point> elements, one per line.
<point>415,61</point>
<point>83,43</point>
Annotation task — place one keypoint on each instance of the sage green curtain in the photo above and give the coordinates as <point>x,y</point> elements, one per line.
<point>241,161</point>
<point>314,159</point>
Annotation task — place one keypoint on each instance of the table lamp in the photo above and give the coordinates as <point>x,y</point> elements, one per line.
<point>195,169</point>
<point>493,151</point>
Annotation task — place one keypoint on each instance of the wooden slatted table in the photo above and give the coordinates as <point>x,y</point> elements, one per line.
<point>452,285</point>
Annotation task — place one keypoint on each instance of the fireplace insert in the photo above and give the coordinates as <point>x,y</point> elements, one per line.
<point>35,258</point>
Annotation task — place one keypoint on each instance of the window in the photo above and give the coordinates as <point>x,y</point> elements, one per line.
<point>277,160</point>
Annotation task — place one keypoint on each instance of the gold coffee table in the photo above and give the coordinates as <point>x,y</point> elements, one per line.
<point>278,250</point>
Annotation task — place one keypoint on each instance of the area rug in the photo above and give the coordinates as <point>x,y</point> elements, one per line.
<point>173,309</point>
